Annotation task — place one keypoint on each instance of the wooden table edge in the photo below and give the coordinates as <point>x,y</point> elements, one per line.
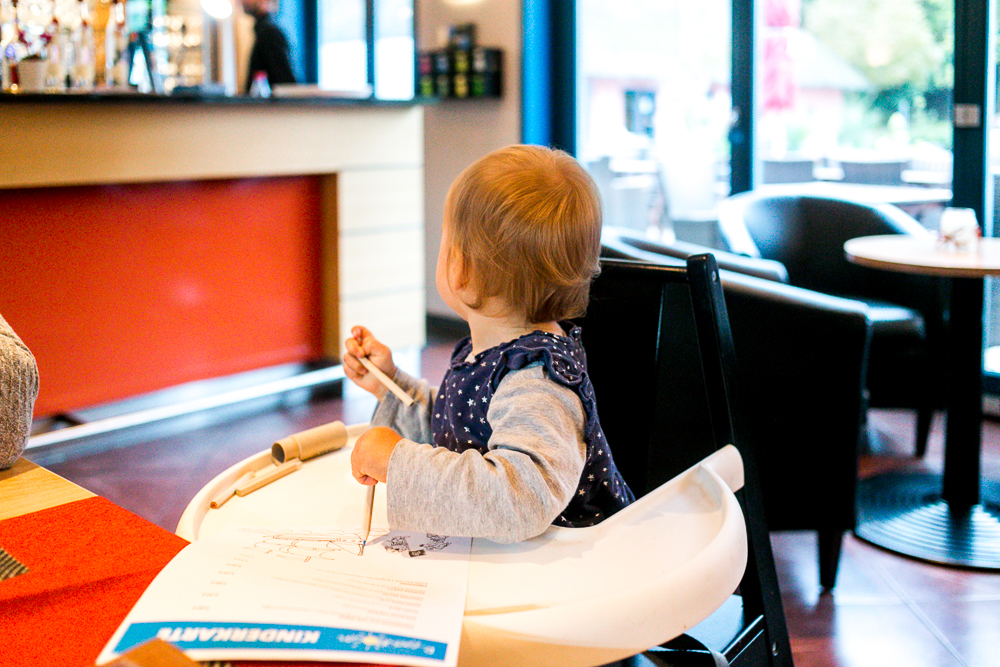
<point>906,267</point>
<point>27,487</point>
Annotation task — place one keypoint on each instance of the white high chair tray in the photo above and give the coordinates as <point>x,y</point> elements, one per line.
<point>569,597</point>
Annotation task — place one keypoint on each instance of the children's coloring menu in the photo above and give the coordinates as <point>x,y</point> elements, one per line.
<point>316,593</point>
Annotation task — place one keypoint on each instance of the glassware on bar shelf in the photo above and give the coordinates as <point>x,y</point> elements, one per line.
<point>182,38</point>
<point>82,70</point>
<point>7,34</point>
<point>116,48</point>
<point>55,44</point>
<point>34,16</point>
<point>58,37</point>
<point>17,47</point>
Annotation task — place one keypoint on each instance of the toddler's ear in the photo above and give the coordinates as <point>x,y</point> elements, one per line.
<point>458,276</point>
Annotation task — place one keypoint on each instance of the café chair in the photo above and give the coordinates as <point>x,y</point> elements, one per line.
<point>626,241</point>
<point>801,371</point>
<point>661,358</point>
<point>874,172</point>
<point>908,312</point>
<point>788,170</point>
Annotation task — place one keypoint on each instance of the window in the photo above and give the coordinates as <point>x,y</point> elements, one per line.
<point>991,227</point>
<point>857,92</point>
<point>653,109</point>
<point>394,50</point>
<point>366,43</point>
<point>343,46</point>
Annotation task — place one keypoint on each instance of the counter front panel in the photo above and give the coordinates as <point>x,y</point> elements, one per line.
<point>198,246</point>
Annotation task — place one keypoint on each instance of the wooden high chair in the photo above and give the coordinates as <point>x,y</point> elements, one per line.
<point>582,597</point>
<point>650,326</point>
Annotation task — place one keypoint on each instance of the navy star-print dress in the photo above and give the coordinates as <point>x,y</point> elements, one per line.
<point>459,423</point>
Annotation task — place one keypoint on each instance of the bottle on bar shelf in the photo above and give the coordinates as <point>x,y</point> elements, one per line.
<point>81,67</point>
<point>54,38</point>
<point>116,48</point>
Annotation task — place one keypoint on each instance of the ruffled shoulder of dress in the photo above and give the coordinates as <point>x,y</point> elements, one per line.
<point>562,356</point>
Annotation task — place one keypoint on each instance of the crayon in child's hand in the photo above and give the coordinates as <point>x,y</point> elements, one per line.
<point>384,379</point>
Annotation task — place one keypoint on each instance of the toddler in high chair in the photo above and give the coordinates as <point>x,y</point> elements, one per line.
<point>511,441</point>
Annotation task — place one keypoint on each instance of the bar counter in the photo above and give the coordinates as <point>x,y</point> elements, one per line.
<point>124,98</point>
<point>151,241</point>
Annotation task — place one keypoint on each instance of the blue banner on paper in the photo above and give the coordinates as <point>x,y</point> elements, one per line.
<point>263,636</point>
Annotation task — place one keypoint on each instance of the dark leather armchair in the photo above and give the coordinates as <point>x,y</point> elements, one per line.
<point>908,312</point>
<point>801,359</point>
<point>619,239</point>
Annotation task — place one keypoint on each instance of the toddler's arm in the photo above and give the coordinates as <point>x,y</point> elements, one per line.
<point>391,421</point>
<point>414,421</point>
<point>513,492</point>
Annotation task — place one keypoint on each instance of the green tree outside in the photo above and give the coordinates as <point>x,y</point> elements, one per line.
<point>905,48</point>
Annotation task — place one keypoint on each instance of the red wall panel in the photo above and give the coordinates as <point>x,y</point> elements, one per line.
<point>120,290</point>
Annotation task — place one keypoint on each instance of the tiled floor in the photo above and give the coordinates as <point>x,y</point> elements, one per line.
<point>886,610</point>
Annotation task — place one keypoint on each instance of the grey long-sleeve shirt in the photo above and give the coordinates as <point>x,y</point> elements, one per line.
<point>18,390</point>
<point>512,492</point>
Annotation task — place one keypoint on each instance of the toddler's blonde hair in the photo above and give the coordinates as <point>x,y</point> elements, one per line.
<point>526,222</point>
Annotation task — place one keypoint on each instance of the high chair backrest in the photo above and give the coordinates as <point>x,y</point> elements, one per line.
<point>652,326</point>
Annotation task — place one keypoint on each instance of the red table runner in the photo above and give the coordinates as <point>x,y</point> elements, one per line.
<point>88,563</point>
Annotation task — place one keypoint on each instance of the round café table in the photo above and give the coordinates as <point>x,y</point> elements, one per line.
<point>953,518</point>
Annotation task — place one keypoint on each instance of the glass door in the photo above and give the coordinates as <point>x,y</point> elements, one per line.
<point>653,111</point>
<point>991,356</point>
<point>858,92</point>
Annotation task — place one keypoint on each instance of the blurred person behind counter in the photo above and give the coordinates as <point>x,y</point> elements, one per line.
<point>18,390</point>
<point>270,52</point>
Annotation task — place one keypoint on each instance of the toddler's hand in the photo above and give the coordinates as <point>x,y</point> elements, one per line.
<point>363,344</point>
<point>370,457</point>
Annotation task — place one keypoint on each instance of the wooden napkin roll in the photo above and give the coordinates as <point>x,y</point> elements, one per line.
<point>307,444</point>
